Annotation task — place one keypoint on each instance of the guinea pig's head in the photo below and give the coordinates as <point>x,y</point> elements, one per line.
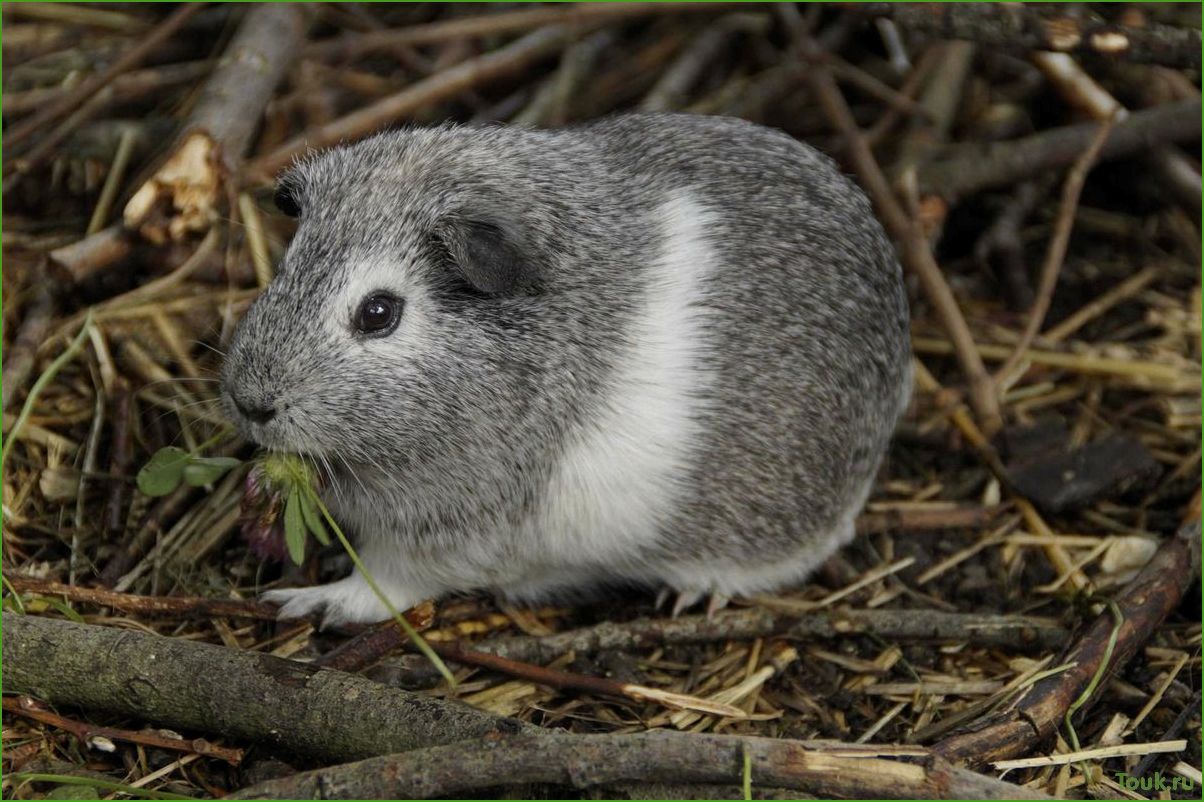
<point>395,326</point>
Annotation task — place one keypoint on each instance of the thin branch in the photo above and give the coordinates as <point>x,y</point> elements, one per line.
<point>1144,603</point>
<point>822,769</point>
<point>1055,253</point>
<point>28,708</point>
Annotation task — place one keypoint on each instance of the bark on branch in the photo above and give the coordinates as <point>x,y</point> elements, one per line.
<point>1022,28</point>
<point>184,193</point>
<point>1147,600</point>
<point>319,713</point>
<point>823,769</point>
<point>961,170</point>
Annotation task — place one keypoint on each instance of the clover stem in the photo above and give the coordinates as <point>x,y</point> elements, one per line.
<point>412,633</point>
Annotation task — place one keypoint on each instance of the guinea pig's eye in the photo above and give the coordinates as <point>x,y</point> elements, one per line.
<point>286,201</point>
<point>378,314</point>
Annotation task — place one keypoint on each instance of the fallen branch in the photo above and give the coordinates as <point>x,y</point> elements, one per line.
<point>1055,251</point>
<point>357,45</point>
<point>86,733</point>
<point>1011,632</point>
<point>440,86</point>
<point>87,257</point>
<point>19,358</point>
<point>960,170</point>
<point>85,99</point>
<point>822,769</point>
<point>915,251</point>
<point>320,713</point>
<point>183,195</point>
<point>1021,28</point>
<point>1034,717</point>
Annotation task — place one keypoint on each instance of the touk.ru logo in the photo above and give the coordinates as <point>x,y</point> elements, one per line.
<point>1154,782</point>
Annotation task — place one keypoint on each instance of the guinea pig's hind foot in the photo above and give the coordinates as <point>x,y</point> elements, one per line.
<point>348,601</point>
<point>688,598</point>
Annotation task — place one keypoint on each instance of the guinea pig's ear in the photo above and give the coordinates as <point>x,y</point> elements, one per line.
<point>487,254</point>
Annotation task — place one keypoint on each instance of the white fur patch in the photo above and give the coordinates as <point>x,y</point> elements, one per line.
<point>621,478</point>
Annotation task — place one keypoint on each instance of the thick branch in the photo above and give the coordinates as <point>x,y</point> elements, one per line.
<point>584,761</point>
<point>961,170</point>
<point>184,193</point>
<point>1021,28</point>
<point>1147,600</point>
<point>474,72</point>
<point>319,713</point>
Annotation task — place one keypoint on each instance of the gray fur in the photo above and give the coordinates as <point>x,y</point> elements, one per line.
<point>440,441</point>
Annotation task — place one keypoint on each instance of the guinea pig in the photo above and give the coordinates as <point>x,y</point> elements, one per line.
<point>660,350</point>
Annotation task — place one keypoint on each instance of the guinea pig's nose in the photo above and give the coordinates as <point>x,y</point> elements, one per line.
<point>255,413</point>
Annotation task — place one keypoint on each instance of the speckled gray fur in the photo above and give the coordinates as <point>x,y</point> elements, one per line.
<point>446,440</point>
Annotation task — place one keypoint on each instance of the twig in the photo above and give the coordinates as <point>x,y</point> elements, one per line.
<point>82,260</point>
<point>448,83</point>
<point>673,86</point>
<point>1000,247</point>
<point>125,88</point>
<point>961,170</point>
<point>1083,91</point>
<point>19,357</point>
<point>357,45</point>
<point>1145,602</point>
<point>1056,251</point>
<point>243,695</point>
<point>1009,632</point>
<point>823,769</point>
<point>564,680</point>
<point>184,193</point>
<point>24,706</point>
<point>921,520</point>
<point>90,87</point>
<point>1021,28</point>
<point>916,253</point>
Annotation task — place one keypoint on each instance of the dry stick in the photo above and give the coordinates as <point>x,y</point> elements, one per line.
<point>121,453</point>
<point>184,193</point>
<point>1144,603</point>
<point>19,358</point>
<point>24,706</point>
<point>147,606</point>
<point>925,520</point>
<point>91,86</point>
<point>81,260</point>
<point>1055,253</point>
<point>1002,248</point>
<point>1014,633</point>
<point>673,86</point>
<point>554,678</point>
<point>916,253</point>
<point>351,46</point>
<point>1021,28</point>
<point>961,170</point>
<point>318,713</point>
<point>131,86</point>
<point>1093,309</point>
<point>440,86</point>
<point>818,768</point>
<point>1082,90</point>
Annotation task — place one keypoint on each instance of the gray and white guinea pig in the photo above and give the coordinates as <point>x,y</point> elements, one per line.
<point>663,350</point>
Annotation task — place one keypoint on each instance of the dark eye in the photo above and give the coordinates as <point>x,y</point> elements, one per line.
<point>378,314</point>
<point>286,201</point>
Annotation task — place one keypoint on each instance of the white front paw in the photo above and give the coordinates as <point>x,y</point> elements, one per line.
<point>348,601</point>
